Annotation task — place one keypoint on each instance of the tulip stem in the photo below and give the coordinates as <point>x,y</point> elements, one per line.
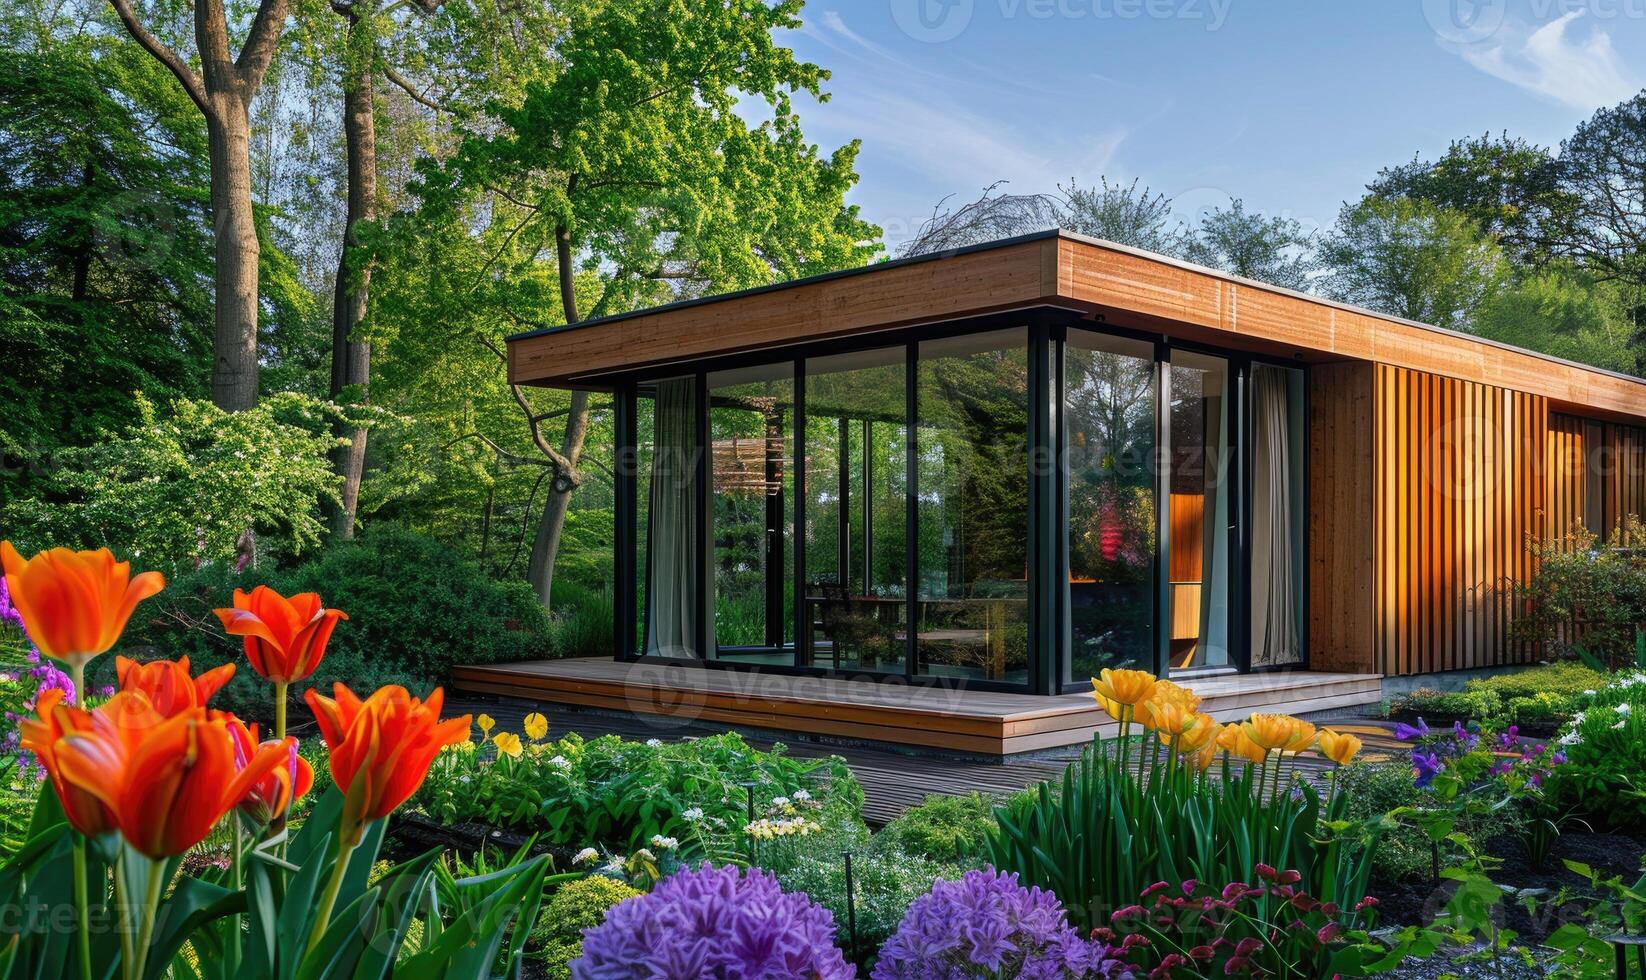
<point>329,898</point>
<point>81,910</point>
<point>279,710</point>
<point>123,906</point>
<point>77,674</point>
<point>151,909</point>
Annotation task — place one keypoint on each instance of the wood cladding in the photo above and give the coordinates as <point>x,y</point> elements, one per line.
<point>1596,477</point>
<point>1425,492</point>
<point>1124,286</point>
<point>1460,495</point>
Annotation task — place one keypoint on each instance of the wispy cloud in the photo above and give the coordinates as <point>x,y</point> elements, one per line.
<point>1550,61</point>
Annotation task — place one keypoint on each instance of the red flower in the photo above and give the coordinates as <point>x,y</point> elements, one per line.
<point>270,797</point>
<point>74,604</point>
<point>42,735</point>
<point>285,639</point>
<point>381,748</point>
<point>168,685</point>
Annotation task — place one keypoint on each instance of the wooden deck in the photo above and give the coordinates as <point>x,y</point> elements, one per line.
<point>958,720</point>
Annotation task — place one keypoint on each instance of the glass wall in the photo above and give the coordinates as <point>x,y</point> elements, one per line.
<point>674,621</point>
<point>973,506</point>
<point>856,502</point>
<point>1199,511</point>
<point>751,512</point>
<point>1109,435</point>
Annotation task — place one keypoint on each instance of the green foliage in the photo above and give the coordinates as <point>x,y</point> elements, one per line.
<point>183,487</point>
<point>415,609</point>
<point>1587,595</point>
<point>944,828</point>
<point>1414,260</point>
<point>886,883</point>
<point>1102,834</point>
<point>617,795</point>
<point>1605,746</point>
<point>1564,313</point>
<point>1269,249</point>
<point>105,237</point>
<point>1508,187</point>
<point>577,905</point>
<point>1484,706</point>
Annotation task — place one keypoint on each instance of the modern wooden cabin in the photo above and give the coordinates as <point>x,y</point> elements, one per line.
<point>939,493</point>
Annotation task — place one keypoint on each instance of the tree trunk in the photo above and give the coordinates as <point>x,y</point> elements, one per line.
<point>234,338</point>
<point>546,546</point>
<point>350,354</point>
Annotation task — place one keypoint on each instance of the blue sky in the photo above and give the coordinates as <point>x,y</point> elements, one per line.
<point>1292,105</point>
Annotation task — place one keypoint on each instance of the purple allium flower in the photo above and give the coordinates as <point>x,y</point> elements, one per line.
<point>713,922</point>
<point>986,924</point>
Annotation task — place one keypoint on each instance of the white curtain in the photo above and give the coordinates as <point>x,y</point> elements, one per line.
<point>1214,559</point>
<point>1274,514</point>
<point>671,593</point>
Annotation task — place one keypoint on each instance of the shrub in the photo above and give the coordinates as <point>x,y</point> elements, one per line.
<point>415,608</point>
<point>715,922</point>
<point>986,924</point>
<point>1605,746</point>
<point>578,905</point>
<point>1484,706</point>
<point>618,794</point>
<point>181,488</point>
<point>943,828</point>
<point>1587,595</point>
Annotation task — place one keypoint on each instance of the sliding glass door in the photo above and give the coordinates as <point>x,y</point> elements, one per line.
<point>1199,511</point>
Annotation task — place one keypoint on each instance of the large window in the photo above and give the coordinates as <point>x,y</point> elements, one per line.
<point>973,506</point>
<point>1109,434</point>
<point>855,512</point>
<point>751,512</point>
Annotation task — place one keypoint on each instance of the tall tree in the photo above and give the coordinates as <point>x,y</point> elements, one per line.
<point>1269,249</point>
<point>1509,188</point>
<point>993,216</point>
<point>1411,259</point>
<point>1128,214</point>
<point>223,90</point>
<point>105,242</point>
<point>1564,312</point>
<point>628,172</point>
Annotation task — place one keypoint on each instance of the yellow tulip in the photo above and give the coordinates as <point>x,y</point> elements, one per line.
<point>1177,694</point>
<point>1124,687</point>
<point>486,723</point>
<point>507,744</point>
<point>537,726</point>
<point>1199,736</point>
<point>1270,732</point>
<point>1341,748</point>
<point>1303,736</point>
<point>1169,718</point>
<point>1207,753</point>
<point>1233,740</point>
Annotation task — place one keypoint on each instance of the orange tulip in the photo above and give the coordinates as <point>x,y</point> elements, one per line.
<point>1270,732</point>
<point>42,736</point>
<point>285,639</point>
<point>381,748</point>
<point>1198,736</point>
<point>269,799</point>
<point>75,604</point>
<point>168,685</point>
<point>167,784</point>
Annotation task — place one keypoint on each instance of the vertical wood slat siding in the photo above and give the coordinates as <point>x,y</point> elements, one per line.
<point>1344,501</point>
<point>1597,476</point>
<point>1460,490</point>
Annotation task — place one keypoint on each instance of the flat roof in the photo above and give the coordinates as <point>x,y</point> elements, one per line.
<point>1123,286</point>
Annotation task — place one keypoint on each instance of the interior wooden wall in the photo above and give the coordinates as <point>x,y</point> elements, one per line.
<point>1342,519</point>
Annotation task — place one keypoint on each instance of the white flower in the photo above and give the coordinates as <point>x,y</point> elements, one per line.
<point>1577,719</point>
<point>654,742</point>
<point>1620,723</point>
<point>780,801</point>
<point>1589,693</point>
<point>1622,709</point>
<point>645,855</point>
<point>586,856</point>
<point>692,814</point>
<point>664,843</point>
<point>616,864</point>
<point>1571,738</point>
<point>802,795</point>
<point>560,762</point>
